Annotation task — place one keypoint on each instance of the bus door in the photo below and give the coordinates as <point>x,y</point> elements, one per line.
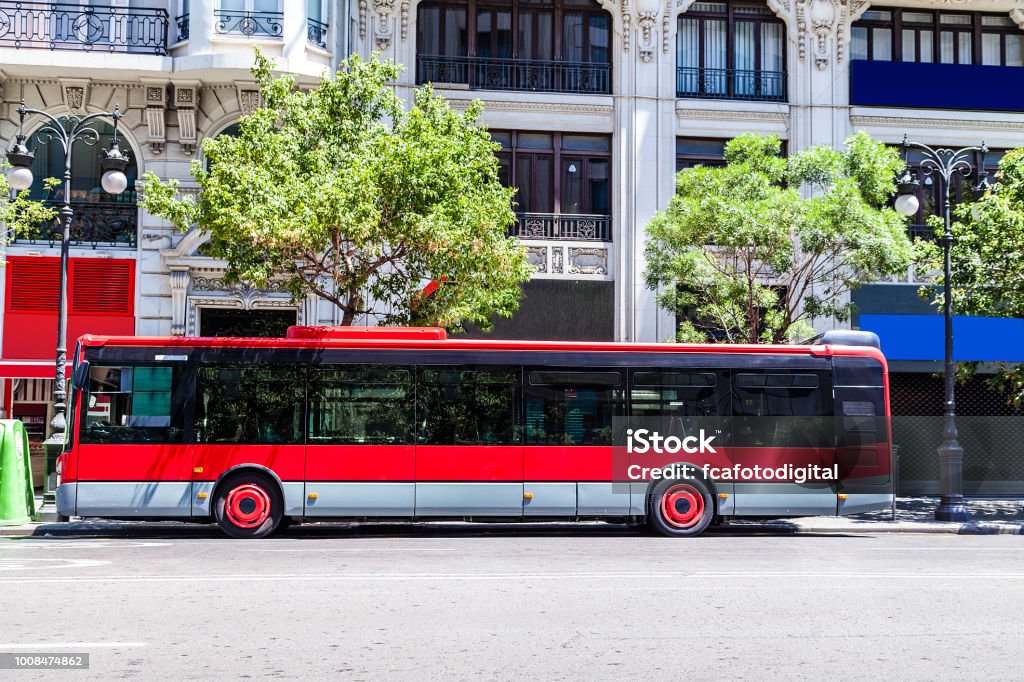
<point>360,456</point>
<point>469,450</point>
<point>249,414</point>
<point>568,462</point>
<point>689,404</point>
<point>782,418</point>
<point>132,455</point>
<point>863,450</point>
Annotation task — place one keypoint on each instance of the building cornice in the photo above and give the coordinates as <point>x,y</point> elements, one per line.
<point>567,108</point>
<point>958,124</point>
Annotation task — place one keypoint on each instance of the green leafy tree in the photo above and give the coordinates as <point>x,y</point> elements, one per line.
<point>756,250</point>
<point>340,191</point>
<point>987,270</point>
<point>20,215</point>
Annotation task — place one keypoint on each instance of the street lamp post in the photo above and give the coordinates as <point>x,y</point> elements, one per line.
<point>114,181</point>
<point>946,163</point>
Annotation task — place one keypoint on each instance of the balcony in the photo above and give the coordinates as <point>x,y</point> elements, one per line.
<point>316,33</point>
<point>94,224</point>
<point>742,84</point>
<point>56,26</point>
<point>577,227</point>
<point>248,24</point>
<point>515,74</point>
<point>182,24</point>
<point>936,86</point>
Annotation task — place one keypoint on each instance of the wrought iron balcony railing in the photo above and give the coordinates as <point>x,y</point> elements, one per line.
<point>248,23</point>
<point>763,86</point>
<point>316,33</point>
<point>926,232</point>
<point>59,26</point>
<point>578,227</point>
<point>182,22</point>
<point>515,74</point>
<point>94,224</point>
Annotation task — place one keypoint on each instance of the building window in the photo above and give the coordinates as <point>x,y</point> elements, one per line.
<point>931,190</point>
<point>911,35</point>
<point>317,23</point>
<point>99,218</point>
<point>564,183</point>
<point>564,46</point>
<point>249,18</point>
<point>704,151</point>
<point>731,50</point>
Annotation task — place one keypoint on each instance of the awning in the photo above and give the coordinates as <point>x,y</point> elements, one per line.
<point>27,369</point>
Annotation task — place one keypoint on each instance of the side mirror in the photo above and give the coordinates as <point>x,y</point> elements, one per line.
<point>80,377</point>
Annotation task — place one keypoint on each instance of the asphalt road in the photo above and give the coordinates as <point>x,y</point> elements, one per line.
<point>592,603</point>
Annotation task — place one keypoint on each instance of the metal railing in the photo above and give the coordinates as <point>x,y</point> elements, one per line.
<point>248,23</point>
<point>579,227</point>
<point>763,86</point>
<point>94,224</point>
<point>59,26</point>
<point>316,33</point>
<point>182,23</point>
<point>926,232</point>
<point>516,74</point>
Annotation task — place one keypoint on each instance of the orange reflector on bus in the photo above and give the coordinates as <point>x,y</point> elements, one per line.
<point>527,496</point>
<point>723,496</point>
<point>313,496</point>
<point>201,496</point>
<point>197,470</point>
<point>842,496</point>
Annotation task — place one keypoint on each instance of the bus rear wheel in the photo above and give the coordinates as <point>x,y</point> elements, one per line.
<point>248,505</point>
<point>681,509</point>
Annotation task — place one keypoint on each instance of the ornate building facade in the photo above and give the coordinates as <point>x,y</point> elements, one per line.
<point>596,103</point>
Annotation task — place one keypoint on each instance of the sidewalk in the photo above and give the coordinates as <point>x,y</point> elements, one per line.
<point>989,516</point>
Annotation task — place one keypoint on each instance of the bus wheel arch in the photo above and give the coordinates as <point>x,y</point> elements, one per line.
<point>248,501</point>
<point>681,507</point>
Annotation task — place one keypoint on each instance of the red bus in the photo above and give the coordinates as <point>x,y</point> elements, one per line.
<point>375,423</point>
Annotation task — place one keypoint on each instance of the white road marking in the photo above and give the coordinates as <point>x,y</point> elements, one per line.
<point>43,646</point>
<point>78,544</point>
<point>946,549</point>
<point>441,577</point>
<point>362,549</point>
<point>22,563</point>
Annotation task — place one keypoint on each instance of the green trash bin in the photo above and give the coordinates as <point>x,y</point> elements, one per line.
<point>17,504</point>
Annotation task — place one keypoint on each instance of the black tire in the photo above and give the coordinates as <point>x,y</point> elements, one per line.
<point>681,508</point>
<point>248,505</point>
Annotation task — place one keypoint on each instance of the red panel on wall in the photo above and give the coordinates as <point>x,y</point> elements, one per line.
<point>101,293</point>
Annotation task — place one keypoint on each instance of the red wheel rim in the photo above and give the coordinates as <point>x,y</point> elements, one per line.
<point>247,506</point>
<point>682,506</point>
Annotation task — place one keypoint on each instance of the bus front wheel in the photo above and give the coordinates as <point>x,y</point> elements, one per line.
<point>248,505</point>
<point>681,509</point>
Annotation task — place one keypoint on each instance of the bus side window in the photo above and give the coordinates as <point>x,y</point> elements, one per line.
<point>782,408</point>
<point>361,404</point>
<point>250,403</point>
<point>133,404</point>
<point>566,407</point>
<point>467,406</point>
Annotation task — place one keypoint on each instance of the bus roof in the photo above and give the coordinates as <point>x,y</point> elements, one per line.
<point>428,339</point>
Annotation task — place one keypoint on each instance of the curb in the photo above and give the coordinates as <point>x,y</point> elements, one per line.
<point>85,528</point>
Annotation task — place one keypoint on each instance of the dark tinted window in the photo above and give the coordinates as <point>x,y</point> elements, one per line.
<point>128,404</point>
<point>856,372</point>
<point>250,404</point>
<point>657,393</point>
<point>780,408</point>
<point>463,406</point>
<point>572,407</point>
<point>361,405</point>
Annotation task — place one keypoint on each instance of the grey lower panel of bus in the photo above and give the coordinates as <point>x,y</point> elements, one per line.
<point>477,499</point>
<point>116,498</point>
<point>361,499</point>
<point>66,499</point>
<point>602,498</point>
<point>785,499</point>
<point>550,499</point>
<point>857,503</point>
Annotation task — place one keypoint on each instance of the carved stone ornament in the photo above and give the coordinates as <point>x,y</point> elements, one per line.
<point>156,107</point>
<point>75,93</point>
<point>819,18</point>
<point>557,258</point>
<point>537,256</point>
<point>588,261</point>
<point>646,13</point>
<point>362,18</point>
<point>383,30</point>
<point>186,95</point>
<point>248,99</point>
